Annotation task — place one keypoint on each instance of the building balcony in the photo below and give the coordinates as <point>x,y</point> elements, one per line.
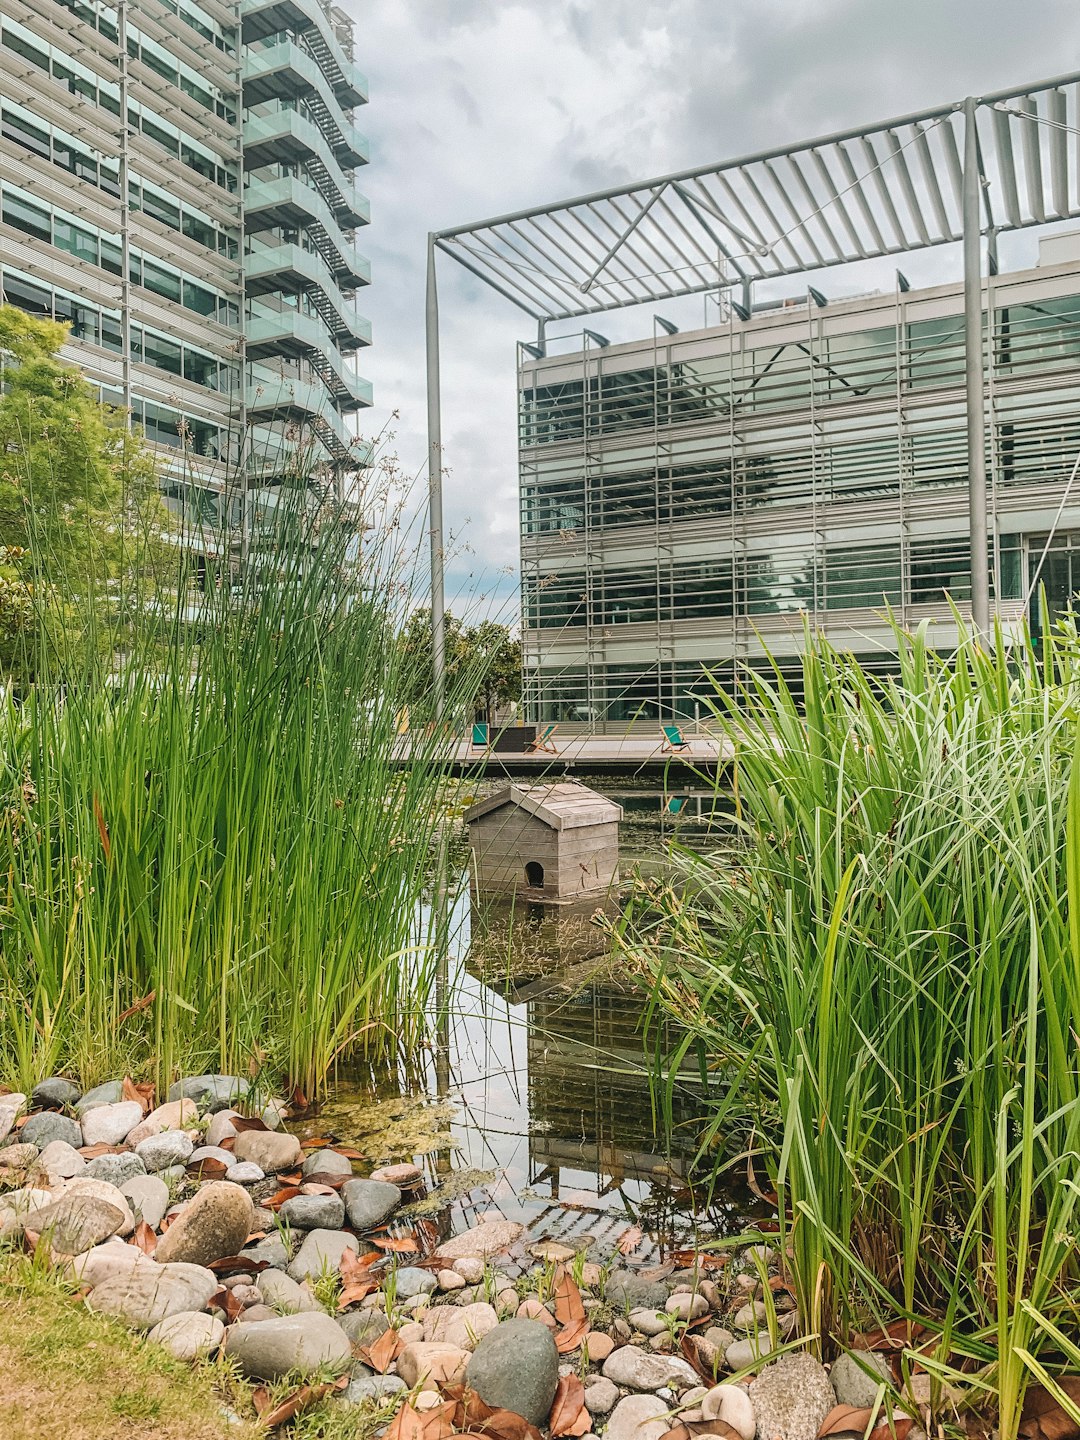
<point>291,270</point>
<point>288,72</point>
<point>262,18</point>
<point>274,399</point>
<point>286,138</point>
<point>297,336</point>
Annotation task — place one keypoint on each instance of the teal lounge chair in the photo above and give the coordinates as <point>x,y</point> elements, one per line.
<point>543,741</point>
<point>673,740</point>
<point>480,736</point>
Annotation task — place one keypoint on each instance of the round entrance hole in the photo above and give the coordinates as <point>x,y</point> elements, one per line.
<point>534,874</point>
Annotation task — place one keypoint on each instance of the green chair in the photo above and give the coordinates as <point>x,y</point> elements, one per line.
<point>480,735</point>
<point>673,740</point>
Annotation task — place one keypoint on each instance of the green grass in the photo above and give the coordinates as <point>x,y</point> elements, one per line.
<point>882,989</point>
<point>208,857</point>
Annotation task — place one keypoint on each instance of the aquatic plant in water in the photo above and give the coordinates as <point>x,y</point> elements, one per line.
<point>882,989</point>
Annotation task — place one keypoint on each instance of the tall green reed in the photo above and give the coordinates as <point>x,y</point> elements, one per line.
<point>885,980</point>
<point>210,855</point>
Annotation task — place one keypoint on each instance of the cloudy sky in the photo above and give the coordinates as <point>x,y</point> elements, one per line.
<point>483,106</point>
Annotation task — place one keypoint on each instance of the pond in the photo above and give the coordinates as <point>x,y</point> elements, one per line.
<point>538,1100</point>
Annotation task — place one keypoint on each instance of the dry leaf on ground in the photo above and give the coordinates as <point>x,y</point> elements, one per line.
<point>381,1355</point>
<point>568,1414</point>
<point>630,1239</point>
<point>569,1306</point>
<point>1043,1417</point>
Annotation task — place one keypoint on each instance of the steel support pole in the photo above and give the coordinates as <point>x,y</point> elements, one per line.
<point>435,469</point>
<point>973,359</point>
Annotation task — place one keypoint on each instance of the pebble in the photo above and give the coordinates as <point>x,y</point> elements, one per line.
<point>268,1149</point>
<point>61,1160</point>
<point>448,1280</point>
<point>487,1238</point>
<point>364,1327</point>
<point>662,1344</point>
<point>271,1249</point>
<point>411,1333</point>
<point>791,1397</point>
<point>86,1184</point>
<point>851,1383</point>
<point>221,1127</point>
<point>210,1092</point>
<point>114,1169</point>
<point>432,1363</point>
<point>532,1309</point>
<point>168,1147</point>
<point>470,1268</point>
<point>405,1177</point>
<point>732,1405</point>
<point>638,1417</point>
<point>103,1262</point>
<point>630,1292</point>
<point>743,1354</point>
<point>109,1124</point>
<point>326,1162</point>
<point>321,1250</point>
<point>751,1317</point>
<point>304,1343</point>
<point>649,1322</point>
<point>461,1325</point>
<point>639,1370</point>
<point>173,1115</point>
<point>313,1212</point>
<point>551,1252</point>
<point>188,1334</point>
<point>598,1347</point>
<point>410,1281</point>
<point>108,1094</point>
<point>246,1173</point>
<point>687,1307</point>
<point>213,1224</point>
<point>600,1396</point>
<point>369,1202</point>
<point>46,1126</point>
<point>372,1387</point>
<point>56,1090</point>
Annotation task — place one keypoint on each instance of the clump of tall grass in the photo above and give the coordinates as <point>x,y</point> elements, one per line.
<point>210,857</point>
<point>883,986</point>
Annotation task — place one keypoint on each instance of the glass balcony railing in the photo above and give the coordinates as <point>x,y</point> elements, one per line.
<point>287,70</point>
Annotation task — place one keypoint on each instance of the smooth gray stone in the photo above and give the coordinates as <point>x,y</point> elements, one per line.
<point>302,1343</point>
<point>55,1090</point>
<point>108,1094</point>
<point>638,1417</point>
<point>148,1196</point>
<point>627,1291</point>
<point>326,1162</point>
<point>363,1327</point>
<point>61,1160</point>
<point>283,1293</point>
<point>115,1168</point>
<point>111,1124</point>
<point>188,1334</point>
<point>516,1367</point>
<point>638,1369</point>
<point>75,1223</point>
<point>372,1387</point>
<point>271,1249</point>
<point>170,1147</point>
<point>271,1150</point>
<point>212,1152</point>
<point>850,1382</point>
<point>313,1212</point>
<point>150,1293</point>
<point>321,1251</point>
<point>210,1092</point>
<point>368,1203</point>
<point>42,1129</point>
<point>409,1280</point>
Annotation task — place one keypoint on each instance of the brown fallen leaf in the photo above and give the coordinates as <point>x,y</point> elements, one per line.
<point>407,1424</point>
<point>355,1267</point>
<point>568,1414</point>
<point>689,1429</point>
<point>470,1410</point>
<point>277,1200</point>
<point>1043,1418</point>
<point>508,1425</point>
<point>233,1264</point>
<point>570,1336</point>
<point>357,1291</point>
<point>844,1420</point>
<point>260,1398</point>
<point>385,1350</point>
<point>400,1244</point>
<point>690,1352</point>
<point>224,1299</point>
<point>317,1142</point>
<point>91,1152</point>
<point>900,1335</point>
<point>240,1123</point>
<point>143,1093</point>
<point>439,1421</point>
<point>630,1239</point>
<point>292,1178</point>
<point>569,1306</point>
<point>144,1238</point>
<point>293,1404</point>
<point>698,1260</point>
<point>298,1100</point>
<point>349,1152</point>
<point>208,1169</point>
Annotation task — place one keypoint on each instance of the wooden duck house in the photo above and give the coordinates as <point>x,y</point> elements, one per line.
<point>548,842</point>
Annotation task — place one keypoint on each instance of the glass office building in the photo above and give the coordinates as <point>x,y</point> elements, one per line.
<point>176,184</point>
<point>690,502</point>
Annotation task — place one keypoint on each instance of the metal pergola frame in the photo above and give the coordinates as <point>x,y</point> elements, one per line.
<point>977,167</point>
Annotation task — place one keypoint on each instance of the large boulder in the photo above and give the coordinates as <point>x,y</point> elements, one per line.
<point>791,1397</point>
<point>150,1293</point>
<point>368,1203</point>
<point>516,1367</point>
<point>75,1223</point>
<point>303,1343</point>
<point>215,1223</point>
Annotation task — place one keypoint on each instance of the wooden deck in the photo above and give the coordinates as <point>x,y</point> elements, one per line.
<point>592,754</point>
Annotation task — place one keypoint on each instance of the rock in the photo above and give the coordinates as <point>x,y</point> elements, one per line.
<point>271,1249</point>
<point>551,1252</point>
<point>687,1307</point>
<point>532,1309</point>
<point>640,1370</point>
<point>47,1126</point>
<point>215,1223</point>
<point>709,1357</point>
<point>173,1115</point>
<point>363,1327</point>
<point>313,1212</point>
<point>752,1316</point>
<point>711,1291</point>
<point>274,1114</point>
<point>410,1281</point>
<point>109,1124</point>
<point>372,1387</point>
<point>326,1162</point>
<point>221,1127</point>
<point>718,1336</point>
<point>432,1363</point>
<point>267,1149</point>
<point>731,1404</point>
<point>210,1092</point>
<point>61,1159</point>
<point>148,1197</point>
<point>9,1113</point>
<point>255,1314</point>
<point>168,1147</point>
<point>85,1184</point>
<point>405,1177</point>
<point>629,1292</point>
<point>470,1268</point>
<point>282,1293</point>
<point>150,1293</point>
<point>598,1347</point>
<point>600,1396</point>
<point>649,1322</point>
<point>245,1173</point>
<point>188,1334</point>
<point>56,1090</point>
<point>791,1397</point>
<point>638,1417</point>
<point>411,1333</point>
<point>18,1157</point>
<point>105,1261</point>
<point>114,1169</point>
<point>211,1152</point>
<point>662,1344</point>
<point>111,1093</point>
<point>486,1238</point>
<point>852,1384</point>
<point>461,1325</point>
<point>369,1202</point>
<point>75,1223</point>
<point>744,1354</point>
<point>288,1342</point>
<point>449,1280</point>
<point>516,1367</point>
<point>321,1250</point>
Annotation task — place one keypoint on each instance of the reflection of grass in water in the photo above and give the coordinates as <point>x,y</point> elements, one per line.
<point>394,1129</point>
<point>451,1187</point>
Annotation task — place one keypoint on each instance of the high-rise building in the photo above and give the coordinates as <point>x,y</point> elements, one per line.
<point>176,183</point>
<point>689,502</point>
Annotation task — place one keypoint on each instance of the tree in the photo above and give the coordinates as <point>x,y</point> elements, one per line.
<point>78,497</point>
<point>483,665</point>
